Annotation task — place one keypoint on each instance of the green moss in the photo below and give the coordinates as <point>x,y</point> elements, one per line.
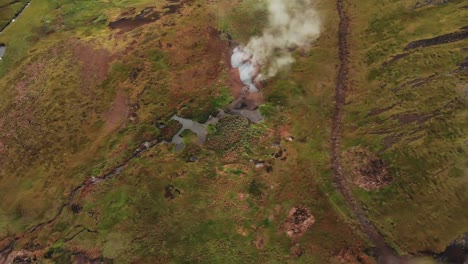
<point>231,132</point>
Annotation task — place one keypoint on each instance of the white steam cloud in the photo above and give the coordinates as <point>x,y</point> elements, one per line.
<point>291,24</point>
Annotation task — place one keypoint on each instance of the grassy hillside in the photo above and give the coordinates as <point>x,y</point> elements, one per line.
<point>93,95</point>
<point>408,106</point>
<point>85,173</point>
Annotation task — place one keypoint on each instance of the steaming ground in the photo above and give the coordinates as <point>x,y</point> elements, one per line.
<point>291,24</point>
<point>248,68</point>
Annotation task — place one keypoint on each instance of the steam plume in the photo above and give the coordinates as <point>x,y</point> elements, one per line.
<point>291,24</point>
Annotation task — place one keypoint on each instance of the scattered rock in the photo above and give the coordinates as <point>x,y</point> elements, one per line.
<point>242,196</point>
<point>456,251</point>
<point>160,124</point>
<point>260,242</point>
<point>296,250</point>
<point>241,231</point>
<point>280,154</point>
<point>147,144</point>
<point>133,117</point>
<point>171,192</point>
<point>22,260</point>
<point>353,256</point>
<point>83,258</point>
<point>76,208</point>
<point>463,66</point>
<point>19,257</point>
<point>193,158</point>
<point>299,220</point>
<point>259,164</point>
<point>365,169</point>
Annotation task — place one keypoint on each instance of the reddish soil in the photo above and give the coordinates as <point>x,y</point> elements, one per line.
<point>34,71</point>
<point>353,256</point>
<point>118,113</point>
<point>243,100</point>
<point>195,52</point>
<point>94,62</point>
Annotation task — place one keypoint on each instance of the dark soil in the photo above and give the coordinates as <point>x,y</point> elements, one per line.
<point>415,83</point>
<point>9,3</point>
<point>395,58</point>
<point>22,260</point>
<point>463,66</point>
<point>408,118</point>
<point>379,111</point>
<point>443,39</point>
<point>456,252</point>
<point>82,258</point>
<point>146,16</point>
<point>422,3</point>
<point>301,215</point>
<point>76,208</point>
<point>391,140</point>
<point>170,192</point>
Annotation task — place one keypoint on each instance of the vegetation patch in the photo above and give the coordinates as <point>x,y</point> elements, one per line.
<point>232,132</point>
<point>170,129</point>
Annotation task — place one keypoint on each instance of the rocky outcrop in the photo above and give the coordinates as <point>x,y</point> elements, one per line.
<point>299,220</point>
<point>365,170</point>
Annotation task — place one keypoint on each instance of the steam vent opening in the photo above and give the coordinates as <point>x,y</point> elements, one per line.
<point>249,69</point>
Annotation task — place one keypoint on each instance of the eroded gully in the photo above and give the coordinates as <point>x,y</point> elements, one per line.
<point>383,252</point>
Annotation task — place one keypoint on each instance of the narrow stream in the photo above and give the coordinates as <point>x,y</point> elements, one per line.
<point>17,15</point>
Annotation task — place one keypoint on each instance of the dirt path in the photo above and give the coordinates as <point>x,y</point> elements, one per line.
<point>383,252</point>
